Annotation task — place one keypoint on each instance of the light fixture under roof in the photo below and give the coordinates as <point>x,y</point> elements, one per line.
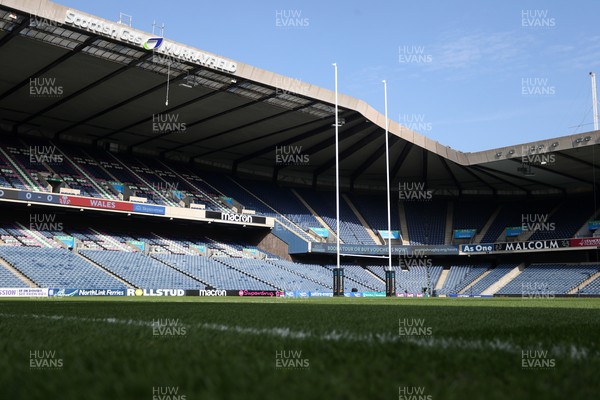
<point>555,144</point>
<point>498,154</point>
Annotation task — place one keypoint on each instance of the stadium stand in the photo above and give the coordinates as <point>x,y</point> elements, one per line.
<point>460,276</point>
<point>426,221</point>
<point>548,279</point>
<point>212,272</point>
<point>495,274</point>
<point>142,271</point>
<point>351,230</point>
<point>57,268</point>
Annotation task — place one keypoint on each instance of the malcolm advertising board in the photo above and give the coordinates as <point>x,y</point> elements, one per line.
<point>511,247</point>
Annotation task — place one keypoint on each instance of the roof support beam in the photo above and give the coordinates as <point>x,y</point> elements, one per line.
<point>86,88</point>
<point>48,67</point>
<point>452,176</point>
<point>124,102</point>
<point>369,138</point>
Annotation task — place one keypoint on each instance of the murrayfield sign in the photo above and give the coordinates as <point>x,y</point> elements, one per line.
<point>126,34</point>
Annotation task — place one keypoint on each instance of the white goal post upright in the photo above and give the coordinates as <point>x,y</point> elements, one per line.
<point>338,273</point>
<point>390,278</point>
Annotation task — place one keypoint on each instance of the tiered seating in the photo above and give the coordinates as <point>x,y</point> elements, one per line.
<point>549,279</point>
<point>311,272</point>
<point>374,211</point>
<point>491,278</point>
<point>10,280</point>
<point>214,273</point>
<point>426,221</point>
<point>142,271</point>
<point>567,220</point>
<point>351,230</point>
<point>472,214</point>
<point>284,201</point>
<point>412,280</point>
<point>226,185</point>
<point>591,288</point>
<point>460,276</point>
<point>277,277</point>
<point>511,215</point>
<point>57,268</point>
<point>360,278</point>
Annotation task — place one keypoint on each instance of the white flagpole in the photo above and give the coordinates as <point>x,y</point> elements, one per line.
<point>337,169</point>
<point>387,171</point>
<point>594,101</point>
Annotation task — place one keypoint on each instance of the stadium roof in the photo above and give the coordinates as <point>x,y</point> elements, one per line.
<point>72,76</point>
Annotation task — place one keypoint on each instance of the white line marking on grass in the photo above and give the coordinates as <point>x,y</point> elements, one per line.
<point>571,351</point>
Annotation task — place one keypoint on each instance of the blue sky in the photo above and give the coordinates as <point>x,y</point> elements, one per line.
<point>473,75</point>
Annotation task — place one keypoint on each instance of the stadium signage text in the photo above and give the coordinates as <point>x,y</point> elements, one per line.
<point>94,25</point>
<point>129,35</point>
<point>197,57</point>
<point>23,292</point>
<point>382,250</point>
<point>85,292</point>
<point>236,217</point>
<point>477,248</point>
<point>212,293</point>
<point>260,293</point>
<point>535,245</point>
<point>585,242</point>
<point>156,292</point>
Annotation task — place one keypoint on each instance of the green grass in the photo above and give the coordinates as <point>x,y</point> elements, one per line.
<point>352,347</point>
